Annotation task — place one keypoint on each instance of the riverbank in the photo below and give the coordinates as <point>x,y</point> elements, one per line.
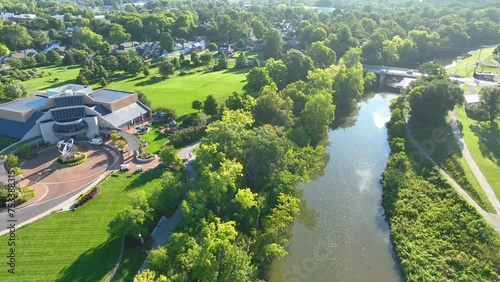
<point>435,232</point>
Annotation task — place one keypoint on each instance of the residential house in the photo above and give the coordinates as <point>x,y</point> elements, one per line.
<point>226,48</point>
<point>128,45</point>
<point>472,102</point>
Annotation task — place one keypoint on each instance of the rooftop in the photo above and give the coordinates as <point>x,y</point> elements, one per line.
<point>25,105</point>
<point>122,116</point>
<point>16,129</point>
<point>109,96</point>
<point>472,99</point>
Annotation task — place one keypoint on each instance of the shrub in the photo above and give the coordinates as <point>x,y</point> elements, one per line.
<point>114,136</point>
<point>122,144</point>
<point>16,171</point>
<point>80,158</point>
<point>193,120</point>
<point>187,136</point>
<point>87,196</point>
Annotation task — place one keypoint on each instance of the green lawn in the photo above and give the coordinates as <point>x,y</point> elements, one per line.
<point>64,74</point>
<point>175,92</point>
<point>466,66</point>
<point>6,142</point>
<point>154,139</point>
<point>179,92</point>
<point>442,152</point>
<point>484,145</point>
<point>76,246</point>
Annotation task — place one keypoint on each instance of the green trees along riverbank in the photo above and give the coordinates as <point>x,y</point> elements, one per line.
<point>436,234</point>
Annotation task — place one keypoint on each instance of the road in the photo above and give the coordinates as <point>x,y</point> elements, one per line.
<point>492,219</point>
<point>34,212</point>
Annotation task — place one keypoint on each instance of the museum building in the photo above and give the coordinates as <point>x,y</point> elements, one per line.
<point>70,111</point>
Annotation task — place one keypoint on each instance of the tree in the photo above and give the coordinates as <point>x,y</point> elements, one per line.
<point>14,89</point>
<point>12,161</point>
<point>222,63</point>
<point>317,116</point>
<point>117,34</point>
<point>258,28</point>
<point>278,72</point>
<point>197,105</point>
<point>212,47</point>
<point>168,156</point>
<point>85,36</point>
<point>258,78</point>
<point>41,59</point>
<point>210,105</point>
<point>104,82</point>
<point>240,101</point>
<point>15,64</point>
<point>28,61</point>
<point>273,109</point>
<point>195,59</point>
<point>166,42</point>
<point>206,58</point>
<point>322,55</point>
<point>68,59</point>
<point>145,71</point>
<point>4,51</point>
<point>241,61</point>
<point>81,79</point>
<point>143,98</point>
<point>53,57</point>
<point>432,100</point>
<point>490,97</point>
<point>15,36</point>
<point>272,44</point>
<point>133,220</point>
<point>166,69</point>
<point>299,63</point>
<point>149,276</point>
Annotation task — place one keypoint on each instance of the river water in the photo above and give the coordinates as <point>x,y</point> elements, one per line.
<point>344,236</point>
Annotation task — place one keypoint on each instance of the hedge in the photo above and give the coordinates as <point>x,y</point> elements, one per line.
<point>82,160</point>
<point>87,196</point>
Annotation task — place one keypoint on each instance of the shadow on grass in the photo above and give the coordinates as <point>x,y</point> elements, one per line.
<point>59,83</point>
<point>489,140</point>
<point>152,80</point>
<point>94,264</point>
<point>145,177</point>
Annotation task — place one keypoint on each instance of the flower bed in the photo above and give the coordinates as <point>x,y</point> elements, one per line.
<point>80,158</point>
<point>87,196</point>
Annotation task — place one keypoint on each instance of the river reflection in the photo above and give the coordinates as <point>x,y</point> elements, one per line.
<point>342,234</point>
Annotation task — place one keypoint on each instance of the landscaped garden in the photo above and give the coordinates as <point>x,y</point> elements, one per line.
<point>483,142</point>
<point>76,246</point>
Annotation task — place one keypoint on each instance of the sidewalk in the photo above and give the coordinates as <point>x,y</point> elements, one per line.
<point>472,164</point>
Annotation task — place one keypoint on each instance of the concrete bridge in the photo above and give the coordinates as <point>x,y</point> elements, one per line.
<point>383,71</point>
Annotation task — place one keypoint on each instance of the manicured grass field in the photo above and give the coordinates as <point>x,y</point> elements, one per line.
<point>441,152</point>
<point>177,92</point>
<point>65,75</point>
<point>154,139</point>
<point>484,145</point>
<point>76,246</point>
<point>466,66</point>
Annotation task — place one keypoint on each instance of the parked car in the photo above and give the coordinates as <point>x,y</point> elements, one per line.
<point>95,141</point>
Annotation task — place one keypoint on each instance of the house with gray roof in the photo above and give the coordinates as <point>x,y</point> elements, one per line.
<point>70,111</point>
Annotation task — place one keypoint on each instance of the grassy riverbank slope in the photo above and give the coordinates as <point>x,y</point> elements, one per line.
<point>436,234</point>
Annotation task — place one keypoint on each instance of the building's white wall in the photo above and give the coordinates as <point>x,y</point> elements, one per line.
<point>47,133</point>
<point>104,123</point>
<point>93,128</point>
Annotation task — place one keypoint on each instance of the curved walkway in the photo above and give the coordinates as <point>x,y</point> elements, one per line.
<point>161,234</point>
<point>472,164</point>
<point>492,219</point>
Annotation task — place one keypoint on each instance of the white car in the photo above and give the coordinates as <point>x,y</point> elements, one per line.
<point>95,141</point>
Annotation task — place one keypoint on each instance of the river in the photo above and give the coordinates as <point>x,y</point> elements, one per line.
<point>346,237</point>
